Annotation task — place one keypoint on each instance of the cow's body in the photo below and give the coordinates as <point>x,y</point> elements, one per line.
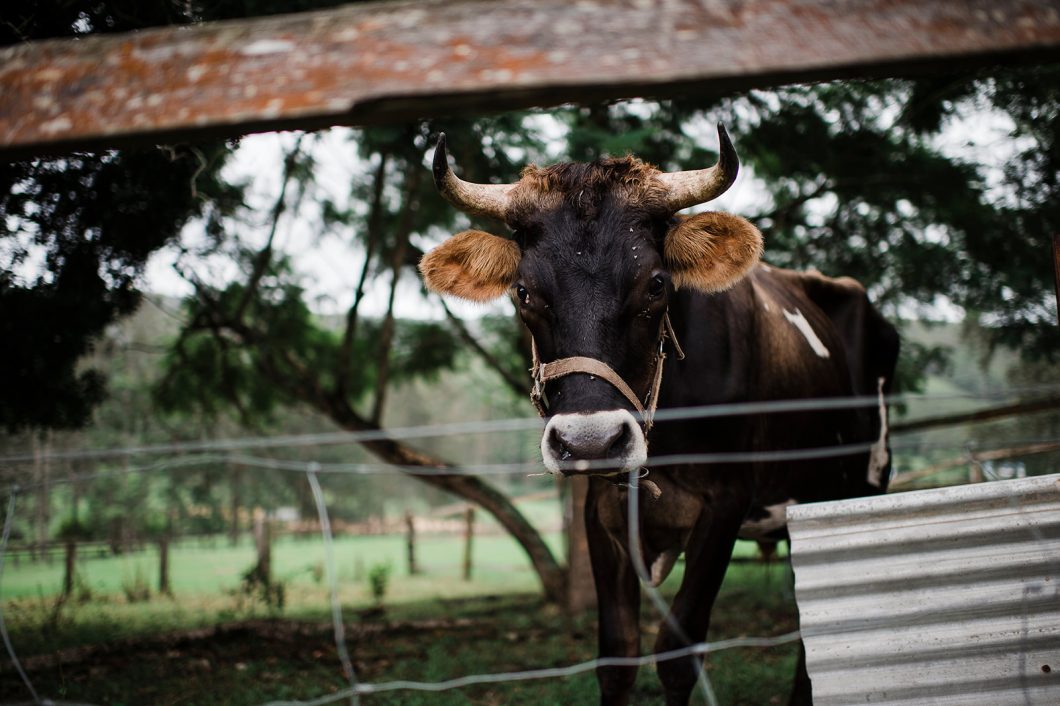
<point>746,344</point>
<point>597,264</point>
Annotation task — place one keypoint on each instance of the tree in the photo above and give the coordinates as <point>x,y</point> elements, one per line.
<point>254,344</point>
<point>858,182</point>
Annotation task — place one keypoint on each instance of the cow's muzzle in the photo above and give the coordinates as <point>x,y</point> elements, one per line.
<point>593,443</point>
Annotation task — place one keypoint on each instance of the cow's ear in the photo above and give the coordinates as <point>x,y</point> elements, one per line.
<point>711,251</point>
<point>471,265</point>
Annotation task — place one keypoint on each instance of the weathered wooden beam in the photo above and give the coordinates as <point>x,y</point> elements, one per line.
<point>379,62</point>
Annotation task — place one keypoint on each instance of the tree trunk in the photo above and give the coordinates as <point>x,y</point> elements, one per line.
<point>581,591</point>
<point>410,541</point>
<point>41,474</point>
<point>71,567</point>
<point>236,476</point>
<point>163,567</point>
<point>469,535</point>
<point>263,542</point>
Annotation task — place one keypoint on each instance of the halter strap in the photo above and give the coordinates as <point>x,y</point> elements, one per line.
<point>543,372</point>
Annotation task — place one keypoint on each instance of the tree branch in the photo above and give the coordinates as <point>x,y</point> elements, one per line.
<point>397,258</point>
<point>264,256</point>
<point>375,217</point>
<point>982,415</point>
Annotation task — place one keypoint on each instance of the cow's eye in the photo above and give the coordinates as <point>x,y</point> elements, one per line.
<point>522,294</point>
<point>657,286</point>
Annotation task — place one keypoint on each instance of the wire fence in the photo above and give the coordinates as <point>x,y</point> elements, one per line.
<point>185,455</point>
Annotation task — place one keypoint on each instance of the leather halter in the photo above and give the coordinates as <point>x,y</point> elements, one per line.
<point>543,372</point>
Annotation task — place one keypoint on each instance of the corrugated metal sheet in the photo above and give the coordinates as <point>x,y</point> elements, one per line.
<point>948,596</point>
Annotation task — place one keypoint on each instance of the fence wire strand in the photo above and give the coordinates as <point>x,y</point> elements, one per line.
<point>514,468</point>
<point>636,556</point>
<point>698,649</point>
<point>339,626</point>
<point>514,424</point>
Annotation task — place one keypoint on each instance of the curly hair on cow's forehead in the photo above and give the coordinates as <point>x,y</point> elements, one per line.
<point>586,185</point>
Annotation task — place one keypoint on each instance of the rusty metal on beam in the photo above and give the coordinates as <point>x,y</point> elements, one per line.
<point>380,62</point>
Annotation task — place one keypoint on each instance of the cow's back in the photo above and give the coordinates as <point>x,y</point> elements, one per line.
<point>782,335</point>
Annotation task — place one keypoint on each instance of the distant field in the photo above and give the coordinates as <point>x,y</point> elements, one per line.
<point>212,567</point>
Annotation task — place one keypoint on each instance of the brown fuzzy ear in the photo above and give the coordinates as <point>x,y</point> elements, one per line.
<point>711,251</point>
<point>471,265</point>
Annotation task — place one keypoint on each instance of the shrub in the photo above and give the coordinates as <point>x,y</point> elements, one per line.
<point>378,579</point>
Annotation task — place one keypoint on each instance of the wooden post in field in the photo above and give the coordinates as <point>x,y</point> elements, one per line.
<point>469,533</point>
<point>41,473</point>
<point>71,566</point>
<point>410,538</point>
<point>262,542</point>
<point>163,566</point>
<point>236,502</point>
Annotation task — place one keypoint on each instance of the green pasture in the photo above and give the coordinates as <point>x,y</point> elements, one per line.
<point>203,568</point>
<point>200,568</point>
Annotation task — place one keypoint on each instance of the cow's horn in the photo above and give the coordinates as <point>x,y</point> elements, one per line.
<point>472,199</point>
<point>701,185</point>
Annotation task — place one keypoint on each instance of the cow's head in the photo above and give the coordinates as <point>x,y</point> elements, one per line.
<point>595,255</point>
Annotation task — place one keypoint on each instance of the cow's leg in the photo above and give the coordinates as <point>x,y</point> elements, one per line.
<point>706,558</point>
<point>801,694</point>
<point>618,603</point>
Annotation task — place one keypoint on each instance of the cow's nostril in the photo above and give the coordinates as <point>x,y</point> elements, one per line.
<point>620,444</point>
<point>559,447</point>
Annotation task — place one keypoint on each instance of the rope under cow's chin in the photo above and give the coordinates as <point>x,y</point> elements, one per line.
<point>543,372</point>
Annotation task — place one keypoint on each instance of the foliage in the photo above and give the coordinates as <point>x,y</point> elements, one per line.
<point>858,182</point>
<point>136,589</point>
<point>257,588</point>
<point>92,220</point>
<point>74,530</point>
<point>378,580</point>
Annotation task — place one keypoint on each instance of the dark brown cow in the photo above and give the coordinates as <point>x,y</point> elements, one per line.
<point>606,276</point>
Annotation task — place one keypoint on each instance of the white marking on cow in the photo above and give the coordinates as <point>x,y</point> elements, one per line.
<point>663,565</point>
<point>879,455</point>
<point>591,426</point>
<point>775,519</point>
<point>799,321</point>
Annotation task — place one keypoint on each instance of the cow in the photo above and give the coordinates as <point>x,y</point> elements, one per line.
<point>633,308</point>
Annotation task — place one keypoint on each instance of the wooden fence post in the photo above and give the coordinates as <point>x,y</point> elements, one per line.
<point>469,533</point>
<point>410,538</point>
<point>71,566</point>
<point>163,566</point>
<point>235,481</point>
<point>262,542</point>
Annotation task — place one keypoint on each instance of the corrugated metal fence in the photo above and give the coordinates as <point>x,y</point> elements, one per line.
<point>948,596</point>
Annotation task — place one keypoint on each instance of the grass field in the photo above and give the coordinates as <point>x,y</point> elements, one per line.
<point>210,645</point>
